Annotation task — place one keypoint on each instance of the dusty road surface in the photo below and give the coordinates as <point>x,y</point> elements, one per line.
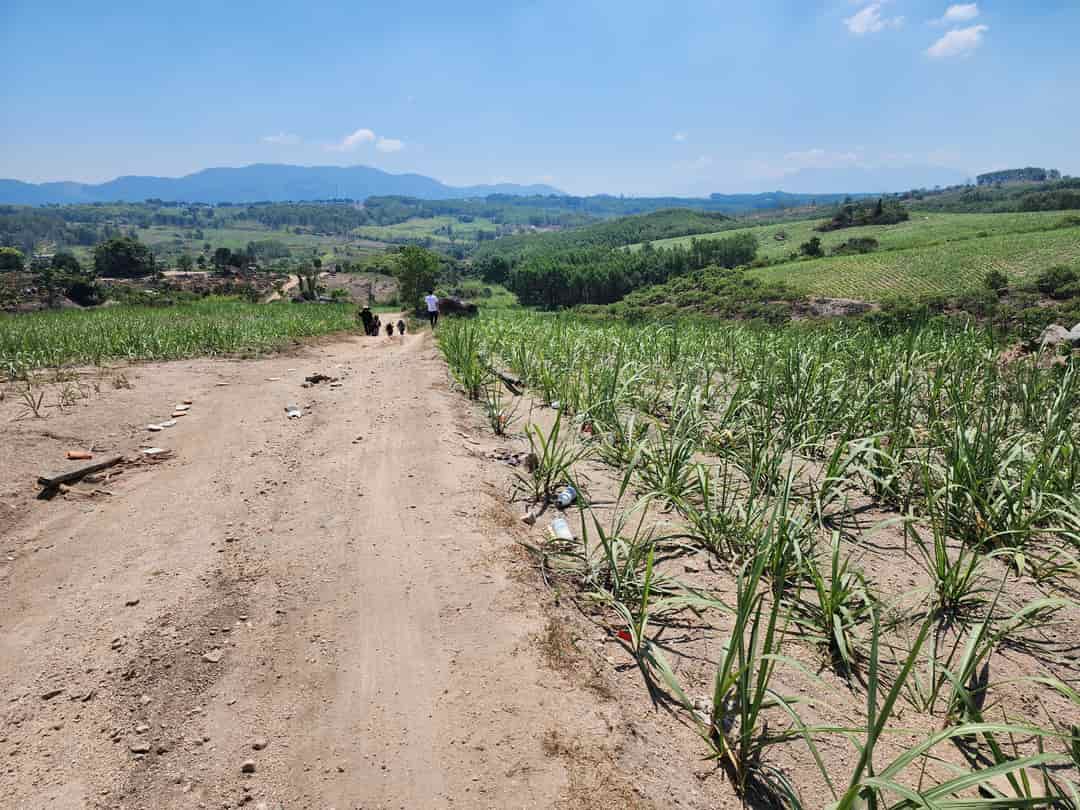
<point>287,613</point>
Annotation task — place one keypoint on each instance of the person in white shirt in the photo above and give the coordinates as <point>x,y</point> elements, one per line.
<point>432,302</point>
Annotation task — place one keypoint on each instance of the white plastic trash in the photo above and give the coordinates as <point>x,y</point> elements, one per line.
<point>560,529</point>
<point>566,497</point>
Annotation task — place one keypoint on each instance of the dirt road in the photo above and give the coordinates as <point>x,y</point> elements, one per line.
<point>323,601</point>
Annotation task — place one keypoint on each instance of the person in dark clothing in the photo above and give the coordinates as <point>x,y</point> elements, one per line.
<point>401,327</point>
<point>368,320</point>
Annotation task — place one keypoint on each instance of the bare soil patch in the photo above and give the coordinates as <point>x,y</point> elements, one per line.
<point>337,599</point>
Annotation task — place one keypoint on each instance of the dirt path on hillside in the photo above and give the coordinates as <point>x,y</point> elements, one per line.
<point>327,597</point>
<point>291,284</point>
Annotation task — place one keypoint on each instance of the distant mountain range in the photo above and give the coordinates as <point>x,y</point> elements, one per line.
<point>268,182</point>
<point>257,183</point>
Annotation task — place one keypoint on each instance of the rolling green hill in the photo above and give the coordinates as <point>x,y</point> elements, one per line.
<point>674,222</point>
<point>922,230</point>
<point>941,268</point>
<point>930,254</point>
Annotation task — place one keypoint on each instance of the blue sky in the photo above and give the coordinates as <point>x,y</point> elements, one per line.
<point>632,97</point>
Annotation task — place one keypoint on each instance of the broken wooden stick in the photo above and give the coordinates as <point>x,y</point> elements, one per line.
<point>54,481</point>
<point>513,384</point>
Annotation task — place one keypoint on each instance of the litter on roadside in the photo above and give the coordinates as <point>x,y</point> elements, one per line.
<point>154,428</point>
<point>567,495</point>
<point>560,530</point>
<point>293,412</point>
<point>51,483</point>
<point>182,407</point>
<point>529,518</point>
<point>154,451</point>
<point>79,455</point>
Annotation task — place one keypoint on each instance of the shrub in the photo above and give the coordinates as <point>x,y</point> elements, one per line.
<point>84,292</point>
<point>899,314</point>
<point>123,257</point>
<point>11,260</point>
<point>813,248</point>
<point>982,303</point>
<point>1053,282</point>
<point>850,215</point>
<point>997,281</point>
<point>863,244</point>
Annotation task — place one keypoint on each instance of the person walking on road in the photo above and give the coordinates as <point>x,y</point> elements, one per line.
<point>367,318</point>
<point>432,302</point>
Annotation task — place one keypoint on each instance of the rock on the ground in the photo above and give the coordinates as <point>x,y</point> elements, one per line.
<point>1054,335</point>
<point>1074,335</point>
<point>139,748</point>
<point>214,656</point>
<point>248,766</point>
<point>259,743</point>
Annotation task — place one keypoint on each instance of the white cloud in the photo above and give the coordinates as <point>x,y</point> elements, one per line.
<point>389,145</point>
<point>958,42</point>
<point>679,137</point>
<point>961,12</point>
<point>281,139</point>
<point>363,137</point>
<point>350,142</point>
<point>870,21</point>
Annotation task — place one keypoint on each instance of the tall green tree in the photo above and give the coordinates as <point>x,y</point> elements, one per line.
<point>11,260</point>
<point>417,271</point>
<point>185,263</point>
<point>66,262</point>
<point>123,257</point>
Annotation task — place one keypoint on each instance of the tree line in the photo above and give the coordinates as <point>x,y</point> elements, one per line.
<point>604,275</point>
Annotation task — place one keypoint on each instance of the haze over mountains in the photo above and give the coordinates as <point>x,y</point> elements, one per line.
<point>256,183</point>
<point>280,182</point>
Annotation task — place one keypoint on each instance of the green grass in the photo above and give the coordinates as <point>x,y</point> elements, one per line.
<point>210,327</point>
<point>428,227</point>
<point>945,268</point>
<point>931,254</point>
<point>922,230</point>
<point>496,297</point>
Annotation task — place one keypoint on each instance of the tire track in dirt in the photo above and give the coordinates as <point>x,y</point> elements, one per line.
<point>323,585</point>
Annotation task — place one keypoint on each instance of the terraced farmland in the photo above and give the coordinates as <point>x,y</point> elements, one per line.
<point>948,267</point>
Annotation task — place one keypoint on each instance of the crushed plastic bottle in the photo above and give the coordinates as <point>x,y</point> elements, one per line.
<point>560,529</point>
<point>567,495</point>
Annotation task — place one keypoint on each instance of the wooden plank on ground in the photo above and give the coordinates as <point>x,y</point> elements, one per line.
<point>53,481</point>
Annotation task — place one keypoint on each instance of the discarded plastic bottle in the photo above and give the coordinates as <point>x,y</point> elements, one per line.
<point>560,529</point>
<point>566,497</point>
